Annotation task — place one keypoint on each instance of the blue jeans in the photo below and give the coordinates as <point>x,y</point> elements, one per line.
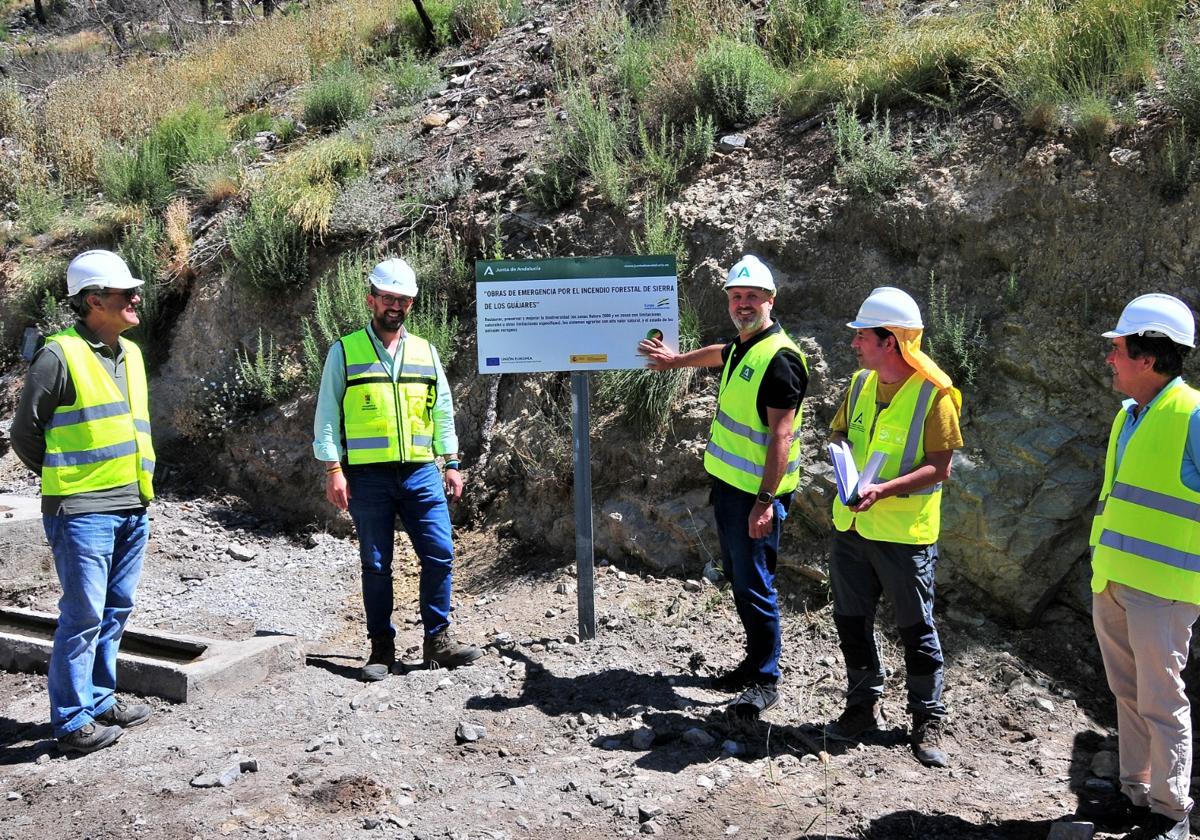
<point>378,492</point>
<point>860,570</point>
<point>749,565</point>
<point>98,557</point>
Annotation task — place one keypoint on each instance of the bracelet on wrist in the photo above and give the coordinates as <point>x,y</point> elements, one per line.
<point>452,465</point>
<point>336,468</point>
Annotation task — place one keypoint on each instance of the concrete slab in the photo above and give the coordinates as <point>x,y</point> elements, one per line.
<point>23,545</point>
<point>168,665</point>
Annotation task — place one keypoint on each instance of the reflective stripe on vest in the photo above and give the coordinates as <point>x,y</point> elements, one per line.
<point>384,420</point>
<point>100,441</point>
<point>898,430</point>
<point>1146,533</point>
<point>738,439</point>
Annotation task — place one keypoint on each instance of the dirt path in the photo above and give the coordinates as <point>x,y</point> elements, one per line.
<point>608,738</point>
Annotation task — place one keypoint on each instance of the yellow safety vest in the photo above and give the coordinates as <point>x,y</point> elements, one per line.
<point>898,431</point>
<point>384,420</point>
<point>737,440</point>
<point>100,441</point>
<point>1146,533</point>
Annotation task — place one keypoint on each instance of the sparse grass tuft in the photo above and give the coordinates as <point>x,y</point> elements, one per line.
<point>735,81</point>
<point>266,375</point>
<point>39,207</point>
<point>1092,119</point>
<point>660,234</point>
<point>340,94</point>
<point>212,182</point>
<point>647,397</point>
<point>410,78</point>
<point>1179,162</point>
<point>867,163</point>
<point>431,320</point>
<point>799,29</point>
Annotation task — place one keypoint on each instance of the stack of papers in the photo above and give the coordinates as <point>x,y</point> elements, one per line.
<point>849,481</point>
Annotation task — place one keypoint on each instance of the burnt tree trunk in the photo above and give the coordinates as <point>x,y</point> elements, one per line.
<point>425,21</point>
<point>227,10</point>
<point>39,12</point>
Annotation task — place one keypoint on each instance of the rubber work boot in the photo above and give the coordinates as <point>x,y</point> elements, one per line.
<point>1162,827</point>
<point>856,720</point>
<point>926,740</point>
<point>124,715</point>
<point>443,651</point>
<point>89,738</point>
<point>379,663</point>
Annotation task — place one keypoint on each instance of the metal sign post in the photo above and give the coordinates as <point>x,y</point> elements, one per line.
<point>581,446</point>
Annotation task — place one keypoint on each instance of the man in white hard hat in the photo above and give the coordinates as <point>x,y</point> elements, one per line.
<point>384,416</point>
<point>901,404</point>
<point>83,424</point>
<point>1146,561</point>
<point>753,456</point>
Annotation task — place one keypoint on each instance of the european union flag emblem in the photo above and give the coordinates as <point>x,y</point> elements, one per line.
<point>492,361</point>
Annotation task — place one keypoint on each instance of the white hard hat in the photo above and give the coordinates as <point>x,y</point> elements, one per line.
<point>99,270</point>
<point>888,306</point>
<point>749,271</point>
<point>1157,316</point>
<point>394,277</point>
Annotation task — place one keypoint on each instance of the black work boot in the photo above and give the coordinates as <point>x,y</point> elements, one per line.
<point>856,720</point>
<point>379,663</point>
<point>742,676</point>
<point>926,740</point>
<point>124,715</point>
<point>89,738</point>
<point>444,651</point>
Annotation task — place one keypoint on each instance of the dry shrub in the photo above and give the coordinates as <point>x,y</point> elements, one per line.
<point>179,239</point>
<point>309,181</point>
<point>122,102</point>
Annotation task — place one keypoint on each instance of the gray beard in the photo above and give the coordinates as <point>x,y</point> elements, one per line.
<point>750,326</point>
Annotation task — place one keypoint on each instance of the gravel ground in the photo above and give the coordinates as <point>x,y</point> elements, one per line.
<point>612,737</point>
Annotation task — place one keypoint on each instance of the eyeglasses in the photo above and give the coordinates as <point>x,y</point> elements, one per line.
<point>391,300</point>
<point>128,294</point>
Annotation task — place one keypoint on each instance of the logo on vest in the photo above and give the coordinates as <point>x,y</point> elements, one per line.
<point>368,403</point>
<point>746,372</point>
<point>857,422</point>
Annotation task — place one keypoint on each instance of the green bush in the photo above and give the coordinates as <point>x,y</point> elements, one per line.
<point>735,81</point>
<point>251,123</point>
<point>135,176</point>
<point>39,277</point>
<point>551,185</point>
<point>646,397</point>
<point>410,78</point>
<point>335,97</point>
<point>1179,163</point>
<point>797,29</point>
<point>269,250</point>
<point>482,20</point>
<point>339,309</point>
<point>146,173</point>
<point>39,207</point>
<point>866,161</point>
<point>955,337</point>
<point>1181,81</point>
<point>1092,119</point>
<point>410,29</point>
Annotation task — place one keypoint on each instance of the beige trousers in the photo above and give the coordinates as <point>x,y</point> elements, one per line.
<point>1144,641</point>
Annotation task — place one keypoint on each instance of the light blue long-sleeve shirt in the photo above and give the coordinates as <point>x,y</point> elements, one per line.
<point>1189,472</point>
<point>327,426</point>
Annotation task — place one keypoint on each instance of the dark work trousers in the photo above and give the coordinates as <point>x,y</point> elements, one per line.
<point>860,571</point>
<point>749,565</point>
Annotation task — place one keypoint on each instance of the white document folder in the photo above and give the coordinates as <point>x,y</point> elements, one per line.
<point>846,474</point>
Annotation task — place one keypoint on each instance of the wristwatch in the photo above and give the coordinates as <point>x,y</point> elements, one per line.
<point>764,498</point>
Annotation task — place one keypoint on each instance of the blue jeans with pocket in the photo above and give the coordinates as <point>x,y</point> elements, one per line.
<point>414,492</point>
<point>860,570</point>
<point>749,565</point>
<point>98,557</point>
